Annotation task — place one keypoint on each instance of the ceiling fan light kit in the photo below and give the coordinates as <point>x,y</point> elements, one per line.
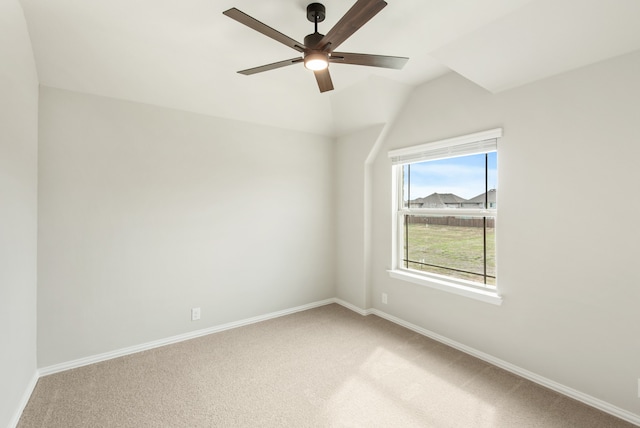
<point>318,49</point>
<point>316,61</point>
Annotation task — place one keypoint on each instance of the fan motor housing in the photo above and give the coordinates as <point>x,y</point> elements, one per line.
<point>312,40</point>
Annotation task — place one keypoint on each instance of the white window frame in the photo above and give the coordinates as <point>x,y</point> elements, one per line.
<point>480,142</point>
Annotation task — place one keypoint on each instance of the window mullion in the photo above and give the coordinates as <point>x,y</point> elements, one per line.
<point>484,219</point>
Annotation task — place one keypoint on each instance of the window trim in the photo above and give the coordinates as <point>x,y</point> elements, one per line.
<point>480,142</point>
<point>448,285</point>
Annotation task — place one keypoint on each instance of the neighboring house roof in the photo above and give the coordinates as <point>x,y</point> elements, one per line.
<point>480,198</point>
<point>437,200</point>
<point>450,200</point>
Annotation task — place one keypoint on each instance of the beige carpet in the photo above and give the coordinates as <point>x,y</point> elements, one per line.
<point>326,367</point>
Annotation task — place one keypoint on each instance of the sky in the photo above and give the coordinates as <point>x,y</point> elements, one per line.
<point>462,176</point>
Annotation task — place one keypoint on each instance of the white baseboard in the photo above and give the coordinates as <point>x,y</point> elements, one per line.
<point>354,308</point>
<point>24,400</point>
<point>548,383</point>
<point>175,339</point>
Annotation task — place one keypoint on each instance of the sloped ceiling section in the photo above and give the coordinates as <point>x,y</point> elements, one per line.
<point>184,54</point>
<point>544,38</point>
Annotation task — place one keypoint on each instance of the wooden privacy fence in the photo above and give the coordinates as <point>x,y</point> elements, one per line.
<point>452,221</point>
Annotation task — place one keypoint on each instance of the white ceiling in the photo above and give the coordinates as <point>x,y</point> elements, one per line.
<point>184,54</point>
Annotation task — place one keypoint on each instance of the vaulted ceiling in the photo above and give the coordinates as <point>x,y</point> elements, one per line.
<point>184,54</point>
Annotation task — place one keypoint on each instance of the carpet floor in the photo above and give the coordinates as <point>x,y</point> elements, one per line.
<point>325,367</point>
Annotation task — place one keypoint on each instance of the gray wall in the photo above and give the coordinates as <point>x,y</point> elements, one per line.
<point>352,203</point>
<point>18,210</point>
<point>146,212</point>
<point>568,159</point>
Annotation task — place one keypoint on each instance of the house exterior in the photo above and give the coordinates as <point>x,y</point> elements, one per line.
<point>479,201</point>
<point>438,200</point>
<point>450,200</point>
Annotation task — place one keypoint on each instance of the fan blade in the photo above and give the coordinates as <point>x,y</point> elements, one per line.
<point>395,62</point>
<point>253,23</point>
<point>324,80</point>
<point>359,14</point>
<point>272,66</point>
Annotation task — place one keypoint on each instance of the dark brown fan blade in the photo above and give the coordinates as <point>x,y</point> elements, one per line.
<point>396,62</point>
<point>250,22</point>
<point>324,80</point>
<point>359,14</point>
<point>268,67</point>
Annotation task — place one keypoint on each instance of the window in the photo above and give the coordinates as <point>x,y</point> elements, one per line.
<point>445,210</point>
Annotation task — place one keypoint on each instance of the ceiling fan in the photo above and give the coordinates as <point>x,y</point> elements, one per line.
<point>318,50</point>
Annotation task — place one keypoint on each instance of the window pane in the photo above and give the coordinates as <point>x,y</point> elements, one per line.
<point>460,182</point>
<point>452,246</point>
<point>492,179</point>
<point>406,193</point>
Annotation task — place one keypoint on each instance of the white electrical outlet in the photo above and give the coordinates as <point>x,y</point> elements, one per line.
<point>195,314</point>
<point>384,298</point>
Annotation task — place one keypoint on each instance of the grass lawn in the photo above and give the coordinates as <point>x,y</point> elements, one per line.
<point>452,247</point>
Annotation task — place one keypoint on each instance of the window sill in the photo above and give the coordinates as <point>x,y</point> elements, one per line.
<point>486,296</point>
